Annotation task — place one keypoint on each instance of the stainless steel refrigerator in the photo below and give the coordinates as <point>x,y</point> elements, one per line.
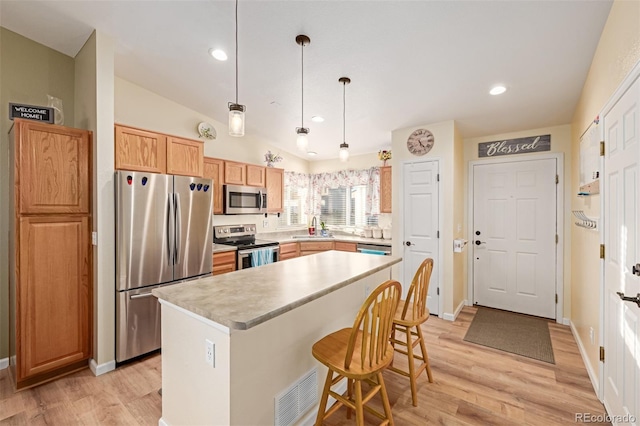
<point>163,236</point>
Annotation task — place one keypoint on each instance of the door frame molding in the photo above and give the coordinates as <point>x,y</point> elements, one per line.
<point>438,161</point>
<point>622,88</point>
<point>559,157</point>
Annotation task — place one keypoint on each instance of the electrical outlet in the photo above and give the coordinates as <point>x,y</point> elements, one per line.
<point>210,352</point>
<point>94,238</point>
<point>265,223</point>
<point>592,335</point>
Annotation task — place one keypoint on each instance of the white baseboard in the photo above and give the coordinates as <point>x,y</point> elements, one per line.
<point>4,363</point>
<point>566,321</point>
<point>98,370</point>
<point>161,422</point>
<point>585,359</point>
<point>452,317</point>
<point>310,418</point>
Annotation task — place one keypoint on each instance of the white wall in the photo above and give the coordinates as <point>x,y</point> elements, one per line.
<point>443,150</point>
<point>94,98</point>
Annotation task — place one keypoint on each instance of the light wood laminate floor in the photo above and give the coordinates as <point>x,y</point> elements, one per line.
<point>473,385</point>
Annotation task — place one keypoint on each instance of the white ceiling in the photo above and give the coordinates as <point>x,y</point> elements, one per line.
<point>410,62</point>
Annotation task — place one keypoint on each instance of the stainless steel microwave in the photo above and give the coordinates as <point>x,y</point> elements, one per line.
<point>244,199</point>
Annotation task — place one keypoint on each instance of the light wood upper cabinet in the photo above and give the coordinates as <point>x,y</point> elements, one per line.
<point>385,189</point>
<point>53,295</point>
<point>214,170</point>
<point>52,168</point>
<point>275,190</point>
<point>235,173</point>
<point>140,150</point>
<point>184,156</point>
<point>256,175</point>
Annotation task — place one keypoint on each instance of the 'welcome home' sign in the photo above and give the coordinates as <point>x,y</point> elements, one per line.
<point>515,146</point>
<point>31,112</point>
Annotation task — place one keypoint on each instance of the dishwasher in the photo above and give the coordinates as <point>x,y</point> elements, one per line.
<point>373,249</point>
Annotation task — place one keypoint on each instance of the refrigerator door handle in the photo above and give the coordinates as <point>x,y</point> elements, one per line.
<point>170,229</point>
<point>140,296</point>
<point>178,213</point>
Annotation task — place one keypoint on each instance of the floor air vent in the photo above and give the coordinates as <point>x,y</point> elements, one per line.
<point>292,403</point>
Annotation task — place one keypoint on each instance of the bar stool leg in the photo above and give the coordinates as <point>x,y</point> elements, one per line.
<point>425,356</point>
<point>325,396</point>
<point>412,369</point>
<point>385,399</point>
<point>359,406</point>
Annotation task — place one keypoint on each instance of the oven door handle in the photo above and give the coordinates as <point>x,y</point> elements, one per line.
<point>276,249</point>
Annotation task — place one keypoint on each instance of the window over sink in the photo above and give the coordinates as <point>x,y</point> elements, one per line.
<point>342,199</point>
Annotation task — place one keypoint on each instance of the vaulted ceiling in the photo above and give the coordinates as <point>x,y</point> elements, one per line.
<point>410,62</point>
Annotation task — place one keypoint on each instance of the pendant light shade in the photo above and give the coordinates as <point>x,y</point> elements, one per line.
<point>236,111</point>
<point>344,146</point>
<point>236,120</point>
<point>302,141</point>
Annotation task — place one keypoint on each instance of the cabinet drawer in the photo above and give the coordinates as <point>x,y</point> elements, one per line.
<point>224,262</point>
<point>287,248</point>
<point>290,255</point>
<point>316,245</point>
<point>345,246</point>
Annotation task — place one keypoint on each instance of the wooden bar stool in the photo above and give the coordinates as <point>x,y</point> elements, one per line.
<point>410,314</point>
<point>359,354</point>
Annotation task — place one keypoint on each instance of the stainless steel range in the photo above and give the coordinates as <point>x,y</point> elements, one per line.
<point>251,252</point>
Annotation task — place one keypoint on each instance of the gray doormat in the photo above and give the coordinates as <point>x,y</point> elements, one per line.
<point>516,333</point>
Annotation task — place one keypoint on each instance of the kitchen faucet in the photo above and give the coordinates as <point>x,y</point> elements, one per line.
<point>313,225</point>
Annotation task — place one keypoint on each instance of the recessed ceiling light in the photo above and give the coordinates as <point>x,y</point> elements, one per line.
<point>317,119</point>
<point>312,153</point>
<point>218,54</point>
<point>498,90</point>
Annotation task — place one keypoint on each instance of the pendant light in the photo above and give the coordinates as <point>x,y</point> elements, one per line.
<point>344,146</point>
<point>302,142</point>
<point>236,111</point>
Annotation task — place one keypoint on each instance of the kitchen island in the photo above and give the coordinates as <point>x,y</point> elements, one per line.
<point>261,323</point>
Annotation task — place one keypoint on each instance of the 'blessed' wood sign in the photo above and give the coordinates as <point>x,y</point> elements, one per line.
<point>515,146</point>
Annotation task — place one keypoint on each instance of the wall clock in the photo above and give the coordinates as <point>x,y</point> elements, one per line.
<point>420,142</point>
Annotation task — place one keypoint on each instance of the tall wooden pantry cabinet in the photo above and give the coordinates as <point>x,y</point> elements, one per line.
<point>50,283</point>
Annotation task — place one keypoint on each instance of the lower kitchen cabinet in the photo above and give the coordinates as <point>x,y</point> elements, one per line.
<point>51,298</point>
<point>342,246</point>
<point>311,247</point>
<point>289,250</point>
<point>224,262</point>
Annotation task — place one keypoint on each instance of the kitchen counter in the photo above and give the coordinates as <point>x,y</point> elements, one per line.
<point>232,344</point>
<point>246,298</point>
<point>342,238</point>
<point>219,248</point>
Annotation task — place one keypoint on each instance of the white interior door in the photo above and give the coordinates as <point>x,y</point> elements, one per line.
<point>622,207</point>
<point>514,246</point>
<point>420,211</point>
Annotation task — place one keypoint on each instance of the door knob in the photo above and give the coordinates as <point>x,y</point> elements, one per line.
<point>408,243</point>
<point>629,299</point>
<point>478,242</point>
<point>636,269</point>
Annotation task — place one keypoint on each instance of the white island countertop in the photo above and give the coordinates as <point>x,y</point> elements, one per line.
<point>243,299</point>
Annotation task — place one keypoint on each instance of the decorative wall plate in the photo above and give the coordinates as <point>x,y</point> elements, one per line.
<point>206,130</point>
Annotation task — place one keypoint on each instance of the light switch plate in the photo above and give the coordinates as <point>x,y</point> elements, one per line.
<point>265,223</point>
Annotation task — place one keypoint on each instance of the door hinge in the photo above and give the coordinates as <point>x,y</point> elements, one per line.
<point>438,177</point>
<point>438,291</point>
<point>602,148</point>
<point>601,251</point>
<point>557,179</point>
<point>557,239</point>
<point>602,353</point>
<point>437,234</point>
<point>556,298</point>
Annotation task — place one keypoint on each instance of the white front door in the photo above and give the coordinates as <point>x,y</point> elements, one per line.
<point>622,254</point>
<point>514,231</point>
<point>420,212</point>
